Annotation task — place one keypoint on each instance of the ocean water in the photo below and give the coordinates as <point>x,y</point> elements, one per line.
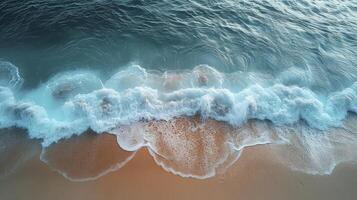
<point>69,66</point>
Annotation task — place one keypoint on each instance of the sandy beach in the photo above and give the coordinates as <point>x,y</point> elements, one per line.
<point>256,175</point>
<point>178,100</point>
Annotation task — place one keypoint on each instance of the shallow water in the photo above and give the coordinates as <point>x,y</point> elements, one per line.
<point>257,175</point>
<point>248,72</point>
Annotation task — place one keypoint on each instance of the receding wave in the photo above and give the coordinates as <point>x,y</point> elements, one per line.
<point>195,123</point>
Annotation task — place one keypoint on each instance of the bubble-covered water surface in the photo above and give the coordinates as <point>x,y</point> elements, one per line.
<point>69,66</point>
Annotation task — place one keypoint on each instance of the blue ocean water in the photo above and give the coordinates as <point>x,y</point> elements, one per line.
<point>67,66</point>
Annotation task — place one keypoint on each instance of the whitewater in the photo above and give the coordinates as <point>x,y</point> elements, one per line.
<point>278,72</point>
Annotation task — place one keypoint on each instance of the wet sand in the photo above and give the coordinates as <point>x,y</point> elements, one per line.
<point>256,175</point>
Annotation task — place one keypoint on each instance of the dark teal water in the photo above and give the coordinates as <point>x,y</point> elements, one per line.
<point>44,37</point>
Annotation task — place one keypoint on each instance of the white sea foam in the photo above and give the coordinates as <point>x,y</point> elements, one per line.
<point>72,102</point>
<point>9,75</point>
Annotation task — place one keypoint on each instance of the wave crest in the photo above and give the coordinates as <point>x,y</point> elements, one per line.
<point>72,102</point>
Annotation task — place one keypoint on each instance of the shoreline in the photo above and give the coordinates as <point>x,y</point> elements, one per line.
<point>257,175</point>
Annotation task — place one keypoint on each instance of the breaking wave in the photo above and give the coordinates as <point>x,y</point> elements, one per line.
<point>145,108</point>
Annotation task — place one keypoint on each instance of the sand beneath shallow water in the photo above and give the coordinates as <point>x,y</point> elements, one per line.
<point>257,175</point>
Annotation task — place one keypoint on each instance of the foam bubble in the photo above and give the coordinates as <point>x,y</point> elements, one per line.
<point>315,152</point>
<point>9,75</point>
<point>256,133</point>
<point>130,137</point>
<point>190,148</point>
<point>207,76</point>
<point>69,84</point>
<point>130,77</point>
<point>72,102</point>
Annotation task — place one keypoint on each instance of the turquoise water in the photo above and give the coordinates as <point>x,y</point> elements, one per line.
<point>67,66</point>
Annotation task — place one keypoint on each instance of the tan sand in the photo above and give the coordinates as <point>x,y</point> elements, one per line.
<point>255,176</point>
